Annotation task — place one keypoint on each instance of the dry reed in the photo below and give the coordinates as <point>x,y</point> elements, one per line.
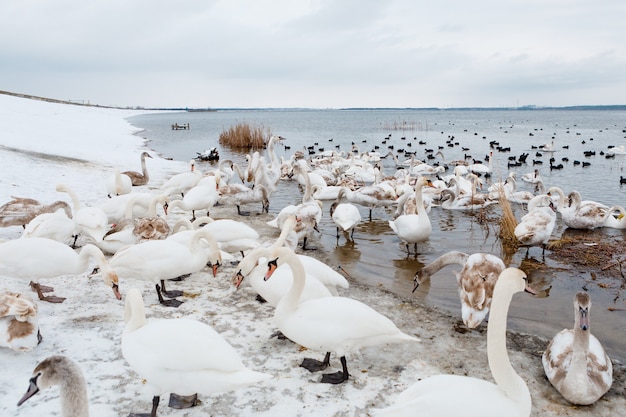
<point>245,136</point>
<point>507,224</point>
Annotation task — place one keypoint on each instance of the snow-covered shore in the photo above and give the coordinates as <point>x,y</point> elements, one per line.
<point>44,144</point>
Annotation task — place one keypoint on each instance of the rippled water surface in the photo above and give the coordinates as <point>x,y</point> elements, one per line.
<point>378,258</point>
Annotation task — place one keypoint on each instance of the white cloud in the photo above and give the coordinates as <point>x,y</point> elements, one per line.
<point>249,53</point>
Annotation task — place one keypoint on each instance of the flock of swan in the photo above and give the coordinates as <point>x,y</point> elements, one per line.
<point>158,237</point>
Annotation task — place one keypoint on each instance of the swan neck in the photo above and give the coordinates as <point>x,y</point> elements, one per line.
<point>144,169</point>
<point>505,376</point>
<point>453,257</point>
<point>73,393</point>
<point>134,314</point>
<point>290,301</point>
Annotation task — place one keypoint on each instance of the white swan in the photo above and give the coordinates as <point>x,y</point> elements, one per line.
<point>414,228</point>
<point>64,372</point>
<point>514,196</point>
<point>41,258</point>
<point>476,281</point>
<point>322,280</point>
<point>238,194</point>
<point>183,232</point>
<point>180,183</point>
<point>535,227</point>
<point>309,212</point>
<point>578,214</point>
<point>482,169</point>
<point>532,177</point>
<point>139,178</point>
<point>19,322</point>
<point>575,362</point>
<point>57,226</point>
<point>181,356</point>
<point>158,260</point>
<point>617,150</point>
<point>92,221</point>
<point>616,222</point>
<point>346,217</point>
<point>450,201</point>
<point>118,184</point>
<point>115,207</point>
<point>375,195</point>
<point>328,324</point>
<point>201,196</point>
<point>450,395</point>
<point>232,235</point>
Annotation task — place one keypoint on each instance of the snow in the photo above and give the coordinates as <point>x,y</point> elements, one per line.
<point>43,144</point>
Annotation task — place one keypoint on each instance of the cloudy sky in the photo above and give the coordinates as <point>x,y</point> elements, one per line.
<point>316,53</point>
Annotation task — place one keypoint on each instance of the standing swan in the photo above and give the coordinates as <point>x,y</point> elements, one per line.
<point>450,395</point>
<point>536,226</point>
<point>414,227</point>
<point>575,362</point>
<point>329,324</point>
<point>180,355</point>
<point>158,260</point>
<point>39,257</point>
<point>139,178</point>
<point>64,372</point>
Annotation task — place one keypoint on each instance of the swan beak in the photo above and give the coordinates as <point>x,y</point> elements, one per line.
<point>584,319</point>
<point>344,272</point>
<point>416,284</point>
<point>530,290</point>
<point>116,291</point>
<point>215,266</point>
<point>32,390</point>
<point>271,267</point>
<point>238,279</point>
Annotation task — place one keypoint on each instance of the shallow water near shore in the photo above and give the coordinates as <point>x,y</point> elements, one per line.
<point>376,257</point>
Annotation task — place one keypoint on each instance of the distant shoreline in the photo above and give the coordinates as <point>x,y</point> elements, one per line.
<point>610,107</point>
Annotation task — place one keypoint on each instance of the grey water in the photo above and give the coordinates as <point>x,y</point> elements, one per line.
<point>376,256</point>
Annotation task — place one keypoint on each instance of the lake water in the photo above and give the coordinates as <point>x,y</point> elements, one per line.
<point>377,257</point>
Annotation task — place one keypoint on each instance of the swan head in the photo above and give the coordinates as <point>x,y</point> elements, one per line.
<point>53,370</point>
<point>110,278</point>
<point>420,276</point>
<point>582,305</point>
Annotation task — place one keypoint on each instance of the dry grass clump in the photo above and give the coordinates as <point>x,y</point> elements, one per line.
<point>507,224</point>
<point>245,136</point>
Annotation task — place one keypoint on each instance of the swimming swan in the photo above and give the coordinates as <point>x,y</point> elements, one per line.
<point>450,395</point>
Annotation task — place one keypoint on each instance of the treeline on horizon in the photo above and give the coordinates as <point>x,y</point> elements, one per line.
<point>208,109</point>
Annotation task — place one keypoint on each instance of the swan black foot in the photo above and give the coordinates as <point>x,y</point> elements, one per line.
<point>183,401</point>
<point>155,405</point>
<point>334,378</point>
<point>313,365</point>
<point>171,303</point>
<point>170,293</point>
<point>242,213</point>
<point>339,376</point>
<point>40,290</point>
<point>167,303</point>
